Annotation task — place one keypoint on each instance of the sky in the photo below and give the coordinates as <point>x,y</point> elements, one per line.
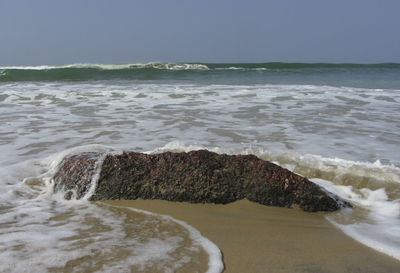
<point>38,32</point>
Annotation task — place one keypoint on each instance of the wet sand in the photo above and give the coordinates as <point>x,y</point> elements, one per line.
<point>255,238</point>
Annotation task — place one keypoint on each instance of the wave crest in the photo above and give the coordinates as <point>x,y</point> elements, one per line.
<point>156,65</point>
<point>163,70</point>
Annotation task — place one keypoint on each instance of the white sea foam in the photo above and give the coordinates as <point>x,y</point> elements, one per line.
<point>242,68</point>
<point>157,65</point>
<point>215,262</point>
<point>346,135</point>
<point>230,68</point>
<point>379,228</point>
<point>44,230</point>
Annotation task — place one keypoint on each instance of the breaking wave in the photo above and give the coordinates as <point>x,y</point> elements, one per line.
<point>162,71</point>
<point>167,66</point>
<point>85,72</point>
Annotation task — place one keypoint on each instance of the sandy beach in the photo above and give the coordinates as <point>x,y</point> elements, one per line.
<point>256,238</point>
<point>285,103</point>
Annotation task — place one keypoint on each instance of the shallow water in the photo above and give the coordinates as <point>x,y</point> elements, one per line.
<point>338,126</point>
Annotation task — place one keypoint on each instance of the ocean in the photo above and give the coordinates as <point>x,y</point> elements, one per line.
<point>336,124</point>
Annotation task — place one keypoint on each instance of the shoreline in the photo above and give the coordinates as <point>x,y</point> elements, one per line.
<point>256,238</point>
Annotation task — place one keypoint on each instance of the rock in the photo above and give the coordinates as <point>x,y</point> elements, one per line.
<point>198,176</point>
<point>76,173</point>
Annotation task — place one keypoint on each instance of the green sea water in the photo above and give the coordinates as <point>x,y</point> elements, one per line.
<point>384,75</point>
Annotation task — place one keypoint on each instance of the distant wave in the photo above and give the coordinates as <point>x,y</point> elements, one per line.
<point>162,71</point>
<point>85,72</point>
<point>280,65</point>
<point>167,66</point>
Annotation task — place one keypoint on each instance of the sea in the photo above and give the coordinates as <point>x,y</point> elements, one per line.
<point>336,124</point>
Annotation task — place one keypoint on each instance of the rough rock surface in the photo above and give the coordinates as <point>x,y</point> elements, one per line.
<point>197,176</point>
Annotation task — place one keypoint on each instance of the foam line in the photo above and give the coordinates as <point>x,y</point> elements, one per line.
<point>215,263</point>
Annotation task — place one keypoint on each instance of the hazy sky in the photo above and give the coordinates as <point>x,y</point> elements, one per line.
<point>37,32</point>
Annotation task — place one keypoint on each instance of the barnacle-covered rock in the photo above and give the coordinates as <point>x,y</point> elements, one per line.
<point>198,176</point>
